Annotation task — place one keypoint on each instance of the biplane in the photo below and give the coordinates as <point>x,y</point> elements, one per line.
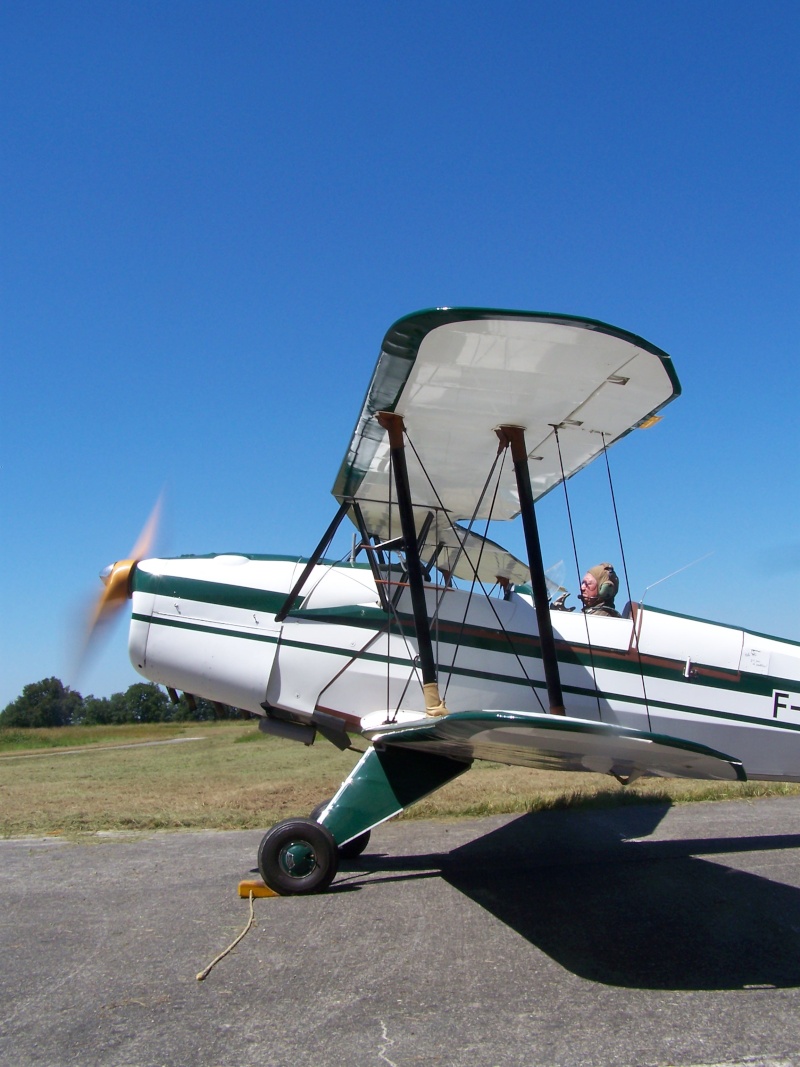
<point>429,645</point>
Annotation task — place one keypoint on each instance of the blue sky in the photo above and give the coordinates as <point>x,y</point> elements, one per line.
<point>210,213</point>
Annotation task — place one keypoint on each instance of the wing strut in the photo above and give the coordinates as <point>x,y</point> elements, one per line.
<point>394,426</point>
<point>327,537</point>
<point>515,437</point>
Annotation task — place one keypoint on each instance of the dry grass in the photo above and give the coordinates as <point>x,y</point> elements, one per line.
<point>17,740</point>
<point>216,782</point>
<point>493,789</point>
<point>235,778</point>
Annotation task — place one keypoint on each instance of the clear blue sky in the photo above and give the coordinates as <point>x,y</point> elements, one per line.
<point>211,212</point>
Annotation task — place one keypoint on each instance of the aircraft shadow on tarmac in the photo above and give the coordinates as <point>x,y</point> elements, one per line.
<point>633,913</point>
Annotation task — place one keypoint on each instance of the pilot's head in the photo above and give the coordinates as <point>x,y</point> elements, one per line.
<point>599,586</point>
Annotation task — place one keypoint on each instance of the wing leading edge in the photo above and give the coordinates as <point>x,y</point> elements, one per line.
<point>546,742</point>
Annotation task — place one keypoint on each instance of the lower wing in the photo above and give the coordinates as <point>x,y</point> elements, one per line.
<point>548,742</point>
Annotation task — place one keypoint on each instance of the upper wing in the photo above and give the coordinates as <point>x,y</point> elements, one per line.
<point>455,375</point>
<point>551,742</point>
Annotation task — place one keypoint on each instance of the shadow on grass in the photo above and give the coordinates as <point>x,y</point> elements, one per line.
<point>627,912</point>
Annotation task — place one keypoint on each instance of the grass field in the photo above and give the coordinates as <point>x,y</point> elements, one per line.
<point>229,776</point>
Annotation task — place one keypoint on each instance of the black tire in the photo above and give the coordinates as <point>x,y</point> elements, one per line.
<point>350,849</point>
<point>298,856</point>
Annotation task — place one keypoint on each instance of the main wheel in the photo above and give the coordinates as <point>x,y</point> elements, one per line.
<point>298,856</point>
<point>350,849</point>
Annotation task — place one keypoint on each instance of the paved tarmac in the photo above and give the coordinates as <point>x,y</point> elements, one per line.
<point>643,936</point>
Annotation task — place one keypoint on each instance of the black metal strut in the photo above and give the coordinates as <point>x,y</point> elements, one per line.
<point>515,437</point>
<point>327,537</point>
<point>393,424</point>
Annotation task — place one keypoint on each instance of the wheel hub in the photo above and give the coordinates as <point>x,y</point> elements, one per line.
<point>297,859</point>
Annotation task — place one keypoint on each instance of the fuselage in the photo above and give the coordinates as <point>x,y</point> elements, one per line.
<point>207,626</point>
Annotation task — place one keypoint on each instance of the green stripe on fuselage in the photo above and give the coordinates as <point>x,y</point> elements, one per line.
<point>465,672</point>
<point>205,592</point>
<point>451,634</point>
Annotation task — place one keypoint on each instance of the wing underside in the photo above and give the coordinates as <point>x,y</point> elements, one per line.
<point>455,375</point>
<point>547,742</point>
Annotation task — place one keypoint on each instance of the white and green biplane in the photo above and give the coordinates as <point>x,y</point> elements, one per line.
<point>431,646</point>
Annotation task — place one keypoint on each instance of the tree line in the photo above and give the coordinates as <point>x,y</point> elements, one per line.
<point>51,703</point>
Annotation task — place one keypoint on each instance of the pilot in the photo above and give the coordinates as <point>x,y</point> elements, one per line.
<point>598,589</point>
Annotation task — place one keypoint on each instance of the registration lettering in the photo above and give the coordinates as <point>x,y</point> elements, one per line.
<point>785,705</point>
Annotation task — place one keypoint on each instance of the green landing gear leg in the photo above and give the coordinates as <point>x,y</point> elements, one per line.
<point>302,855</point>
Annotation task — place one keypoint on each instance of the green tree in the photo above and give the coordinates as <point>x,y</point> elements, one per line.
<point>145,702</point>
<point>45,703</point>
<point>49,703</point>
<point>119,709</point>
<point>97,711</point>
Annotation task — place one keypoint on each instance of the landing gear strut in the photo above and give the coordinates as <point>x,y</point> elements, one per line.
<point>350,849</point>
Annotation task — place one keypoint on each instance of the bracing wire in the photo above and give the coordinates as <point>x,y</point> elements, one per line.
<point>463,551</point>
<point>390,599</point>
<point>476,568</point>
<point>627,582</point>
<point>391,716</point>
<point>385,631</point>
<point>390,602</point>
<point>578,571</point>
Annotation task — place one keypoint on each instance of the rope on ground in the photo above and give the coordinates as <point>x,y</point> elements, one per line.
<point>232,945</point>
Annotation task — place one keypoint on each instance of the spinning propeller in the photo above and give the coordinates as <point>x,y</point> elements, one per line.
<point>116,578</point>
